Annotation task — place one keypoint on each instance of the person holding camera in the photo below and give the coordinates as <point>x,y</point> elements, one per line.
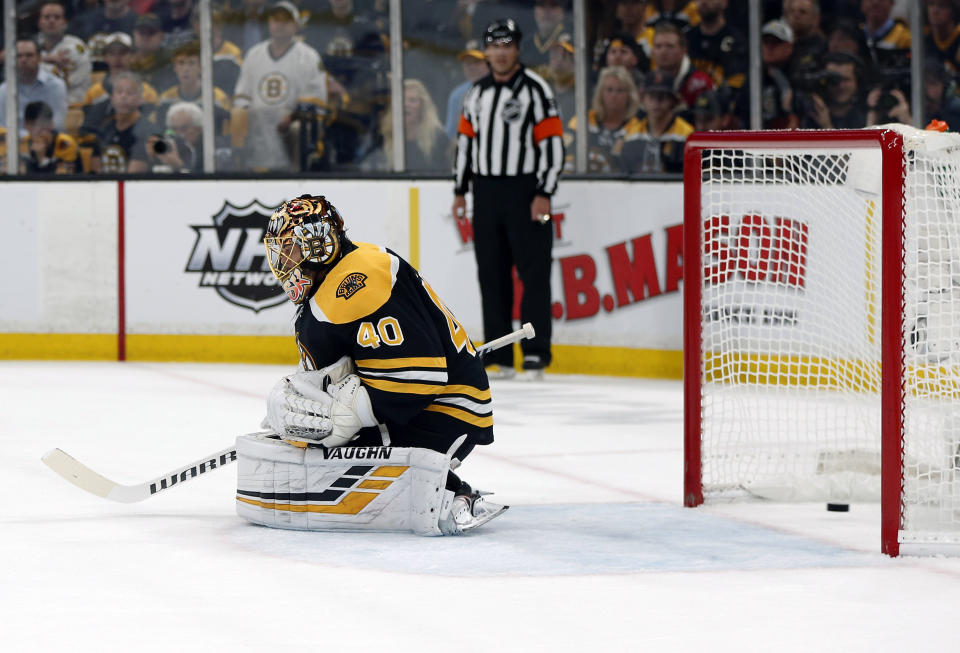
<point>836,103</point>
<point>885,106</point>
<point>180,149</point>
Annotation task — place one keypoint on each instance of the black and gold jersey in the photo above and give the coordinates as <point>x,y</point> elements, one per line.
<point>722,55</point>
<point>890,48</point>
<point>60,157</point>
<point>895,35</point>
<point>418,364</point>
<point>643,152</point>
<point>604,145</point>
<point>118,147</point>
<point>946,50</point>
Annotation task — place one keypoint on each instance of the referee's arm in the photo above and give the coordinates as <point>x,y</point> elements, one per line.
<point>547,138</point>
<point>462,166</point>
<point>463,169</point>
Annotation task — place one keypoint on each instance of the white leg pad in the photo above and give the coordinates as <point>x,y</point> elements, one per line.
<point>346,488</point>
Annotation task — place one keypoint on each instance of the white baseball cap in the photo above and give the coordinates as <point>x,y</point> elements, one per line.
<point>288,7</point>
<point>778,29</point>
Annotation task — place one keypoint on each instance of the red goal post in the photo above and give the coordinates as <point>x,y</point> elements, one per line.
<point>818,335</point>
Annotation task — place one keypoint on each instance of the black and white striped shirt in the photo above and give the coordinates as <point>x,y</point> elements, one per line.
<point>508,129</point>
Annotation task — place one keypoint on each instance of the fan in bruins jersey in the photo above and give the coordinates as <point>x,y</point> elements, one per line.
<point>410,366</point>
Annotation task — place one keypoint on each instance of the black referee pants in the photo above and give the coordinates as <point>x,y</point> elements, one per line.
<point>504,236</point>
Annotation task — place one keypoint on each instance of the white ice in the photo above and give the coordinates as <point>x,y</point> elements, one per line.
<point>596,553</point>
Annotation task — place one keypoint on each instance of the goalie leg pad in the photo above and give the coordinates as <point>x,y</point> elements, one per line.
<point>344,488</point>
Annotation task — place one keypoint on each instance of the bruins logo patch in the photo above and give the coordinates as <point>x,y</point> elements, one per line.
<point>353,283</point>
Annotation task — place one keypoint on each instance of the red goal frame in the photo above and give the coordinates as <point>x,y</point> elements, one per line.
<point>890,144</point>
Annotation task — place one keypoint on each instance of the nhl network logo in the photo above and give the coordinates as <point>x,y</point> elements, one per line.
<point>229,256</point>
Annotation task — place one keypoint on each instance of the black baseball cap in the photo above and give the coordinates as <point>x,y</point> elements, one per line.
<point>707,104</point>
<point>658,81</point>
<point>148,23</point>
<point>624,40</point>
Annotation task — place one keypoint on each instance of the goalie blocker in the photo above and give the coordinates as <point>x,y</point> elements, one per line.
<point>347,488</point>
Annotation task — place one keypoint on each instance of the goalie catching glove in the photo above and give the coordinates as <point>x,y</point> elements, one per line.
<point>311,407</point>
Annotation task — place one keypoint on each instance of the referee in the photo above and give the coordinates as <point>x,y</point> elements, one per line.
<point>510,147</point>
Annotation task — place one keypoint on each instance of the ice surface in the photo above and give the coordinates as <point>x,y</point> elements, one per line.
<point>596,553</point>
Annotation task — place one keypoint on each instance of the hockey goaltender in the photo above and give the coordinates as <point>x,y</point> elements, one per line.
<point>390,396</point>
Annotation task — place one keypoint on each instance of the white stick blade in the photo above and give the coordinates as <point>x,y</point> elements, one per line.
<point>86,479</point>
<point>77,473</point>
<point>528,331</point>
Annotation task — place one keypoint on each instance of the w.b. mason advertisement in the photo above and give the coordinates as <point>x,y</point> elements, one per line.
<point>617,263</point>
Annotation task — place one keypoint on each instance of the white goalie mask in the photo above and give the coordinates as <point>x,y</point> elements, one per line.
<point>304,232</point>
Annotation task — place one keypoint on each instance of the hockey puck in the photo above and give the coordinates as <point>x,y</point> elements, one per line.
<point>838,507</point>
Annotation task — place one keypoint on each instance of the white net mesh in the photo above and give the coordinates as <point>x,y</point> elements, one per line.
<point>790,319</point>
<point>931,498</point>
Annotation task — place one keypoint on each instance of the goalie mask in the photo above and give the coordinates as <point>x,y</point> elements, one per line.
<point>304,237</point>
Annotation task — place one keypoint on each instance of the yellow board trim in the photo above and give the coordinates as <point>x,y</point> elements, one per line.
<point>415,227</point>
<point>791,371</point>
<point>390,471</point>
<point>462,415</point>
<point>269,350</point>
<point>613,361</point>
<point>770,370</point>
<point>872,274</point>
<point>394,363</point>
<point>58,346</point>
<point>282,350</point>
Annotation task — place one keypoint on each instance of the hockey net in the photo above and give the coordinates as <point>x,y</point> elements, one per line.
<point>822,334</point>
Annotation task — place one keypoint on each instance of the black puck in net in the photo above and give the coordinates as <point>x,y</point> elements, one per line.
<point>838,507</point>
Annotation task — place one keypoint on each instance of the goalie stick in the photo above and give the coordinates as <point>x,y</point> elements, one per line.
<point>526,331</point>
<point>75,472</point>
<point>86,479</point>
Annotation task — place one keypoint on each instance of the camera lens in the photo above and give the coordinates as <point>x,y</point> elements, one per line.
<point>886,102</point>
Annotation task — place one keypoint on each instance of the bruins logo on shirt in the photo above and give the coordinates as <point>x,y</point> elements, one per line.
<point>274,88</point>
<point>351,285</point>
<point>113,159</point>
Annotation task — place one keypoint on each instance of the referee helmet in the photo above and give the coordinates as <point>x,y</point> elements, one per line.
<point>502,31</point>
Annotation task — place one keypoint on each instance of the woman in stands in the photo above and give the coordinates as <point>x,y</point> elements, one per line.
<point>611,120</point>
<point>428,149</point>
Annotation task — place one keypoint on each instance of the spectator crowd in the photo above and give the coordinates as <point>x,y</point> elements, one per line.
<point>114,86</point>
